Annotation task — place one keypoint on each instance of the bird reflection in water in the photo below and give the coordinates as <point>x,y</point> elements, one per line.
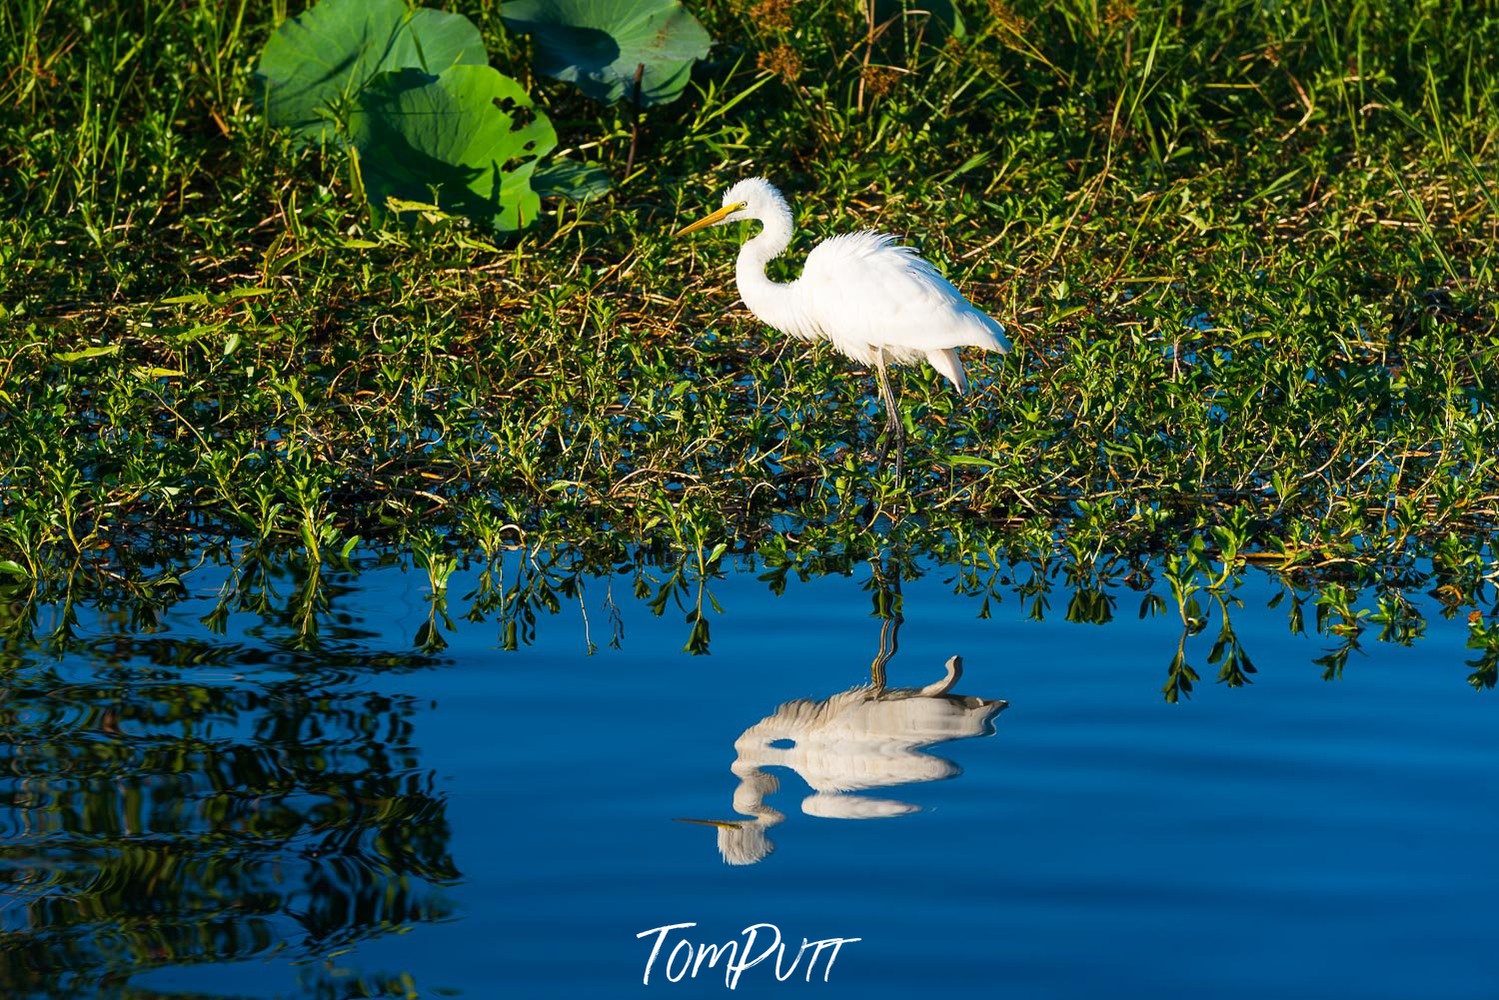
<point>868,737</point>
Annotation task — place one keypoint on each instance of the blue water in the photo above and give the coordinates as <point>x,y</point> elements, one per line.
<point>362,818</point>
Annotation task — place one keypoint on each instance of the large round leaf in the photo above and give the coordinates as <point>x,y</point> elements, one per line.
<point>468,137</point>
<point>599,44</point>
<point>315,65</point>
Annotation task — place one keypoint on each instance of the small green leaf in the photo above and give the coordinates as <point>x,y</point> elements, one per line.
<point>971,460</point>
<point>14,569</point>
<point>68,357</point>
<point>407,205</point>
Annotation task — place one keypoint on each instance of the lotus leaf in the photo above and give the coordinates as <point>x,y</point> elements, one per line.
<point>572,180</point>
<point>467,138</point>
<point>316,64</point>
<point>599,44</point>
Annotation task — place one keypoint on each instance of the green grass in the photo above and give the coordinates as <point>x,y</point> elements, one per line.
<point>1246,251</point>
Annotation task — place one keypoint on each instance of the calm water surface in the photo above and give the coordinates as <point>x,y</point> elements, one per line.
<point>192,814</point>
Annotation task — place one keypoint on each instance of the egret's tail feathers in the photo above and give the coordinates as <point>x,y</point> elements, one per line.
<point>996,330</point>
<point>950,365</point>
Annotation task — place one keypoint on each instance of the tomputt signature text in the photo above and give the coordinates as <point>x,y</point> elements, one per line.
<point>686,960</point>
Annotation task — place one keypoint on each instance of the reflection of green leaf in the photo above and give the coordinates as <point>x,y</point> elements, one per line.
<point>1234,665</point>
<point>1486,667</point>
<point>1179,675</point>
<point>1485,671</point>
<point>1399,619</point>
<point>1333,662</point>
<point>1090,606</point>
<point>598,45</point>
<point>468,136</point>
<point>429,637</point>
<point>697,642</point>
<point>321,60</point>
<point>208,806</point>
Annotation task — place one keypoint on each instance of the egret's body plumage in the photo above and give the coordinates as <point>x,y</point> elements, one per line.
<point>871,298</point>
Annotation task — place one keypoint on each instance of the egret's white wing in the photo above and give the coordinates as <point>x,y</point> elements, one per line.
<point>866,294</point>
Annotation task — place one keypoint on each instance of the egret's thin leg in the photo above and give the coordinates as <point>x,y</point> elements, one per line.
<point>893,425</point>
<point>892,421</point>
<point>900,451</point>
<point>884,449</point>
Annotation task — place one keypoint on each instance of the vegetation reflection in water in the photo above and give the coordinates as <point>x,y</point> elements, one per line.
<point>172,799</point>
<point>298,597</point>
<point>176,800</point>
<point>1197,583</point>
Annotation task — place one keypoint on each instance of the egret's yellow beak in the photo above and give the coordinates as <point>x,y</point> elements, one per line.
<point>711,220</point>
<point>722,824</point>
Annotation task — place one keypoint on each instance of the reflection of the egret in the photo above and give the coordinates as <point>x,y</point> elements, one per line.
<point>867,737</point>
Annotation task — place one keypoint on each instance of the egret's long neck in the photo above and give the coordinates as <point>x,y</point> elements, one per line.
<point>771,301</point>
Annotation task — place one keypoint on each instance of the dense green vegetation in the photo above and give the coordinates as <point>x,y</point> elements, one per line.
<point>1246,251</point>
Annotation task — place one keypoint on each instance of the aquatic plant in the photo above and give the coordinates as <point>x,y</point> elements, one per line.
<point>470,134</point>
<point>411,91</point>
<point>315,66</point>
<point>612,50</point>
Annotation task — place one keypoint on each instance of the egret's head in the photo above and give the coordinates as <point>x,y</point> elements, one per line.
<point>751,198</point>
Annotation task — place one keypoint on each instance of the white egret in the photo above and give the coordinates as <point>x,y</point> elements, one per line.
<point>871,298</point>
